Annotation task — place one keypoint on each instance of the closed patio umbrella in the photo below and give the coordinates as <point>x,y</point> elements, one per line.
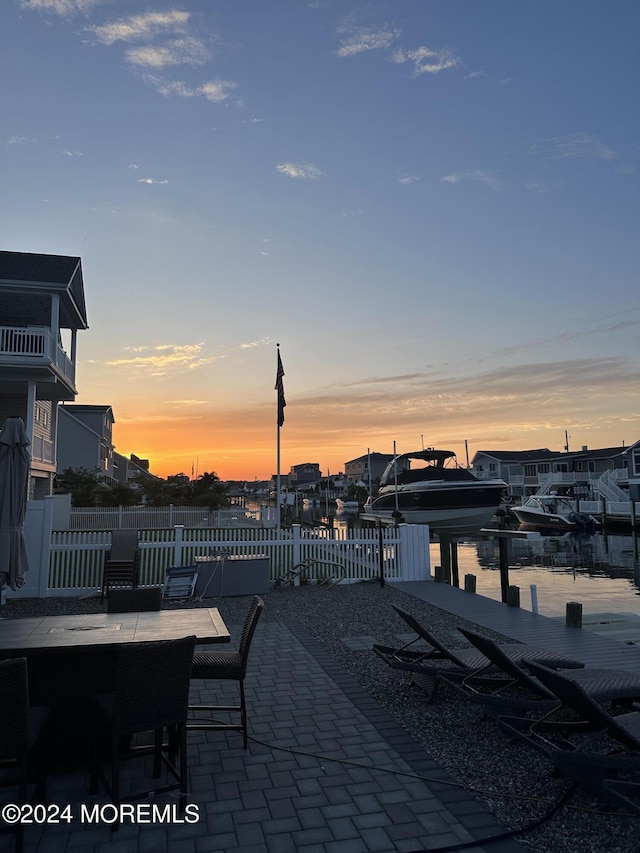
<point>14,475</point>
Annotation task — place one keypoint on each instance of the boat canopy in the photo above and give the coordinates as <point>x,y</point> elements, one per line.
<point>403,468</point>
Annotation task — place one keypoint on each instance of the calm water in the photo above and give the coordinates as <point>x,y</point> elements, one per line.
<point>597,571</point>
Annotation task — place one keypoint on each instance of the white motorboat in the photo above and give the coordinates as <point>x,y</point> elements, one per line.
<point>346,504</point>
<point>553,511</point>
<point>428,487</point>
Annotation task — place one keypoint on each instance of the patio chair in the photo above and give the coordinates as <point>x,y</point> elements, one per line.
<point>607,745</point>
<point>134,600</point>
<point>20,730</point>
<point>522,690</point>
<point>438,661</point>
<point>151,694</point>
<point>226,666</point>
<point>121,562</point>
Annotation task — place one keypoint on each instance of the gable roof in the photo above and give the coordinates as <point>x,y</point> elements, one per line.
<point>37,276</point>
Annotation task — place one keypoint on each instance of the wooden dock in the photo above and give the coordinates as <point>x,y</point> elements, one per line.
<point>593,649</point>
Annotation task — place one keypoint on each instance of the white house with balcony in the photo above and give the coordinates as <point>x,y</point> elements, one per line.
<point>42,308</point>
<point>611,473</point>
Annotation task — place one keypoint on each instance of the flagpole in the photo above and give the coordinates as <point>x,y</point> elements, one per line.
<point>280,420</point>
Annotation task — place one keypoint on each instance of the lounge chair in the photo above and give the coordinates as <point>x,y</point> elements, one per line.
<point>583,739</point>
<point>521,690</point>
<point>472,666</point>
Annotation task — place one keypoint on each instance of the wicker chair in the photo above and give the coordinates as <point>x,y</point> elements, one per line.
<point>226,666</point>
<point>121,562</point>
<point>20,729</point>
<point>151,694</point>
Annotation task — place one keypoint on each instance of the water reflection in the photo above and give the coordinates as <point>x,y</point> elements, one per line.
<point>601,572</point>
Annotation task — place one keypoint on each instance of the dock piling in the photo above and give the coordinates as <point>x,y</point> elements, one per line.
<point>574,614</point>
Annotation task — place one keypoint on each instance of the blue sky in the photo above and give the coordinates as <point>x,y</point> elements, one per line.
<point>432,205</point>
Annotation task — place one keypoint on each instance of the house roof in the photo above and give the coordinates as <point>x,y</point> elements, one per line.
<point>27,280</point>
<point>520,456</point>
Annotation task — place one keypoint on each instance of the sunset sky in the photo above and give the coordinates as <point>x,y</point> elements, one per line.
<point>432,205</point>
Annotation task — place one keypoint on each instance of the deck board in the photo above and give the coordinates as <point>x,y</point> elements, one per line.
<point>592,649</point>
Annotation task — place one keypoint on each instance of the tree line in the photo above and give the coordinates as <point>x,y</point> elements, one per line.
<point>87,488</point>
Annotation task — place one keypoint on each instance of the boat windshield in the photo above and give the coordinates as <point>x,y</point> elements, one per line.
<point>424,465</point>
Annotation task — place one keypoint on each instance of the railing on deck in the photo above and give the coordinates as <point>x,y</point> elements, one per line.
<point>77,558</point>
<point>35,342</point>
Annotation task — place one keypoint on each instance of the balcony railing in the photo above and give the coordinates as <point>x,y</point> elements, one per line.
<point>35,345</point>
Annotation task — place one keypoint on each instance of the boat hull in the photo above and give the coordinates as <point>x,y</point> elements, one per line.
<point>454,508</point>
<point>542,519</point>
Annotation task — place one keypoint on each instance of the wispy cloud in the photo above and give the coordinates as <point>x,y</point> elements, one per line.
<point>259,343</point>
<point>366,38</point>
<point>478,175</point>
<point>152,181</point>
<point>138,27</point>
<point>427,60</point>
<point>163,359</point>
<point>408,179</point>
<point>216,91</point>
<point>538,187</point>
<point>185,51</point>
<point>575,145</point>
<point>301,171</point>
<point>64,8</point>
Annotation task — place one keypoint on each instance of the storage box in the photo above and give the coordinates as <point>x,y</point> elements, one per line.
<point>234,575</point>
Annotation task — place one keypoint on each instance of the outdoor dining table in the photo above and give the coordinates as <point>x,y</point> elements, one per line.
<point>90,632</point>
<point>71,658</point>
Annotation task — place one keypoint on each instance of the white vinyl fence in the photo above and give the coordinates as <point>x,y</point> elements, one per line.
<point>77,558</point>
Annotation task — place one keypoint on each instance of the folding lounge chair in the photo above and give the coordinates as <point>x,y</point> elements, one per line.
<point>607,745</point>
<point>523,691</point>
<point>453,665</point>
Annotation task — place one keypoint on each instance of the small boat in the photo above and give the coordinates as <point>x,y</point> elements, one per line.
<point>346,503</point>
<point>439,493</point>
<point>553,511</point>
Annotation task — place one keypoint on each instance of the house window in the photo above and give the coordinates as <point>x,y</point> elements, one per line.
<point>529,470</point>
<point>544,468</point>
<point>636,463</point>
<point>493,467</point>
<point>561,467</point>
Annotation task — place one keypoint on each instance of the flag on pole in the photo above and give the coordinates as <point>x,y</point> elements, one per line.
<point>280,389</point>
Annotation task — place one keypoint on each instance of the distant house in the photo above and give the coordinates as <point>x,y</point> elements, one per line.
<point>42,308</point>
<point>85,440</point>
<point>307,474</point>
<point>132,470</point>
<point>369,468</point>
<point>590,474</point>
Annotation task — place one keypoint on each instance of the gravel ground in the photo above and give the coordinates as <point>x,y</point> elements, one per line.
<point>514,783</point>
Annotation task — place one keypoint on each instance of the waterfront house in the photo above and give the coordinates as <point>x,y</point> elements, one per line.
<point>42,308</point>
<point>610,473</point>
<point>367,469</point>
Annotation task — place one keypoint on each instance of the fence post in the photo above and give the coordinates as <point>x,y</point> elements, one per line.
<point>414,556</point>
<point>170,515</point>
<point>177,550</point>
